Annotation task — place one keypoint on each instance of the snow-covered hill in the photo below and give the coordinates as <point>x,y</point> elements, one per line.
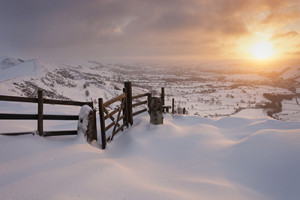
<point>233,150</point>
<point>189,157</point>
<point>205,89</point>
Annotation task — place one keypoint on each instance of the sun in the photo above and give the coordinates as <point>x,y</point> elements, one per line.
<point>262,50</point>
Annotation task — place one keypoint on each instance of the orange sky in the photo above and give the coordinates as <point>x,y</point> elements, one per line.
<point>198,29</point>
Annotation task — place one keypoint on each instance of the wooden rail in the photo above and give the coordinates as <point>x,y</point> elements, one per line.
<point>40,116</point>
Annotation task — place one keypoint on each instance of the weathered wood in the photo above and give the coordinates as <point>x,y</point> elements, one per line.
<point>149,100</point>
<point>19,133</point>
<point>116,132</point>
<point>163,96</point>
<point>4,116</point>
<point>128,89</point>
<point>58,133</point>
<point>111,114</point>
<point>139,96</point>
<point>40,113</point>
<point>102,122</point>
<point>67,103</point>
<point>114,100</point>
<point>18,99</point>
<point>118,118</point>
<point>109,126</point>
<point>173,106</point>
<point>61,117</point>
<point>166,108</point>
<point>139,103</point>
<point>139,112</point>
<point>125,120</point>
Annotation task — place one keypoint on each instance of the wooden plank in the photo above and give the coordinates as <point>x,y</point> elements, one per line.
<point>173,106</point>
<point>5,116</point>
<point>18,99</point>
<point>139,103</point>
<point>118,118</point>
<point>59,133</point>
<point>114,100</point>
<point>61,117</point>
<point>67,103</point>
<point>102,122</point>
<point>139,96</point>
<point>117,131</point>
<point>149,100</point>
<point>163,96</point>
<point>111,114</point>
<point>122,117</point>
<point>111,117</point>
<point>40,122</point>
<point>109,126</point>
<point>139,112</point>
<point>128,89</point>
<point>19,133</point>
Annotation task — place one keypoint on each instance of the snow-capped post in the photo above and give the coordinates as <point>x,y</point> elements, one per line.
<point>40,112</point>
<point>128,91</point>
<point>86,123</point>
<point>156,115</point>
<point>102,122</point>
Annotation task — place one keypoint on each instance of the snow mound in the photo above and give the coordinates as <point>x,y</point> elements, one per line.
<point>188,157</point>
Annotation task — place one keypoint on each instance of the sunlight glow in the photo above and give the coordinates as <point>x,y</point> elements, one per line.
<point>262,50</point>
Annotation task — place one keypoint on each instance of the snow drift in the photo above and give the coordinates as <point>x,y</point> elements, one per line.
<point>188,157</point>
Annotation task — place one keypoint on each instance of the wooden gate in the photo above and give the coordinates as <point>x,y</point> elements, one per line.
<point>121,115</point>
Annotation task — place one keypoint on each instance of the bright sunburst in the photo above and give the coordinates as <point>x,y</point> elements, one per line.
<point>262,50</point>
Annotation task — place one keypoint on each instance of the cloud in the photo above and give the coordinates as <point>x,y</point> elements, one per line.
<point>135,27</point>
<point>284,35</point>
<point>293,53</point>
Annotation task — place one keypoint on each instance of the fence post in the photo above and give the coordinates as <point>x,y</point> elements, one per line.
<point>40,112</point>
<point>173,106</point>
<point>163,96</point>
<point>125,113</point>
<point>149,101</point>
<point>128,89</point>
<point>102,122</point>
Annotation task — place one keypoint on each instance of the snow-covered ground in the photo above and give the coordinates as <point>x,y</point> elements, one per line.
<point>189,157</point>
<point>229,150</point>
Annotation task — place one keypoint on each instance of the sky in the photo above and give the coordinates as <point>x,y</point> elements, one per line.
<point>196,29</point>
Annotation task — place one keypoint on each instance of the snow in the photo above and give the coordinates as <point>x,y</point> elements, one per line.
<point>19,70</point>
<point>84,119</point>
<point>189,157</point>
<point>234,155</point>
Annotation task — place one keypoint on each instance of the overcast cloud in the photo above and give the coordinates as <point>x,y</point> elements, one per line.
<point>97,28</point>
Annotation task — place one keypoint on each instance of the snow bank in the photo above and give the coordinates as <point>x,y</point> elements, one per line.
<point>188,157</point>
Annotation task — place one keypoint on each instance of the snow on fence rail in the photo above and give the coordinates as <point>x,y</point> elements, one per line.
<point>40,117</point>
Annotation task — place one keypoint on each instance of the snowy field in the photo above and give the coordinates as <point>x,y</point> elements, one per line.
<point>249,156</point>
<point>225,148</point>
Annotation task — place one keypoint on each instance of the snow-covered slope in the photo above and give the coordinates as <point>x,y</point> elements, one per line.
<point>11,69</point>
<point>204,90</point>
<point>188,157</point>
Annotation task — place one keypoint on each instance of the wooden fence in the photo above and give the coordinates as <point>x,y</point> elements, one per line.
<point>40,116</point>
<point>116,118</point>
<point>126,108</point>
